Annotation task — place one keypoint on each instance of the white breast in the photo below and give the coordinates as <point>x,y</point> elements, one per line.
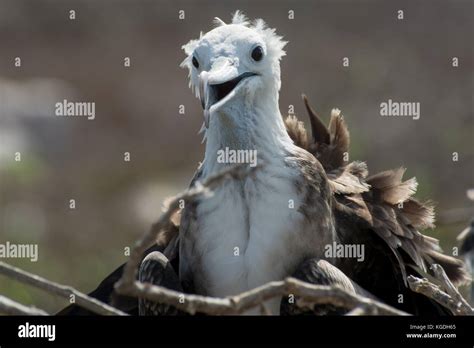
<point>248,234</point>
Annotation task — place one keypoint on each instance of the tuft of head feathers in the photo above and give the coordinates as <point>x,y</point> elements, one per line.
<point>218,22</point>
<point>273,42</point>
<point>239,18</point>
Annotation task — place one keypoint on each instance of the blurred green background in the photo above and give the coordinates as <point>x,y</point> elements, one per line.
<point>137,112</point>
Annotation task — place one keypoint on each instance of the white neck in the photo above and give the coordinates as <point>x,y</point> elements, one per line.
<point>249,123</point>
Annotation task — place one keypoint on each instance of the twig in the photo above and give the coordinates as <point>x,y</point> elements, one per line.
<point>309,294</point>
<point>452,291</point>
<point>425,287</point>
<point>81,299</point>
<point>10,307</point>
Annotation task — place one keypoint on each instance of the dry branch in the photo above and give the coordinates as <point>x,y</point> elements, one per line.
<point>308,295</point>
<point>81,299</point>
<point>10,307</point>
<point>452,291</point>
<point>447,296</point>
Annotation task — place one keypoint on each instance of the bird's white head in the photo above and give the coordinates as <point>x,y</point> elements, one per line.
<point>235,67</point>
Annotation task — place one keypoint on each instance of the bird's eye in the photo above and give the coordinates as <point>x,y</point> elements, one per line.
<point>195,62</point>
<point>257,53</point>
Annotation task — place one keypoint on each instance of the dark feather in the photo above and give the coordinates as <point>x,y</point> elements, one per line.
<point>379,212</point>
<point>156,269</point>
<point>318,129</point>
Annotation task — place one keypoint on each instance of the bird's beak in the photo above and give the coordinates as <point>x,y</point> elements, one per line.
<point>216,84</point>
<point>204,96</point>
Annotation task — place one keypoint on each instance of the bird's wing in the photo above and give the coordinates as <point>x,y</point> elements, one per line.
<point>321,272</point>
<point>157,269</point>
<point>105,293</point>
<point>378,211</point>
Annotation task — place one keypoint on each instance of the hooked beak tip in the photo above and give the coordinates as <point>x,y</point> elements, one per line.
<point>206,118</point>
<point>203,91</point>
<point>203,79</point>
<point>201,94</point>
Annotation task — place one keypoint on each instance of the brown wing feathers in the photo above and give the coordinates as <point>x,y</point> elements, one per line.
<point>382,202</point>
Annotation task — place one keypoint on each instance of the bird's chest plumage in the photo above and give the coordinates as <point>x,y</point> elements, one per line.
<point>248,233</point>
